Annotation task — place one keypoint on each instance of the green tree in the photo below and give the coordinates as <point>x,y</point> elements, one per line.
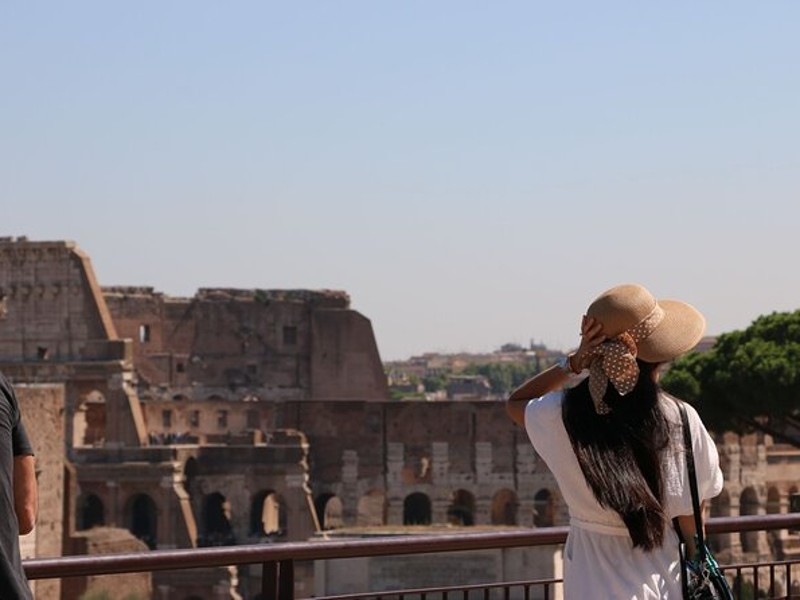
<point>749,380</point>
<point>434,383</point>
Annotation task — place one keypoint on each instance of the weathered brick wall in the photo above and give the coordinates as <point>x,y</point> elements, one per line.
<point>54,308</point>
<point>274,344</point>
<point>435,448</point>
<point>345,364</point>
<point>42,409</point>
<point>107,540</point>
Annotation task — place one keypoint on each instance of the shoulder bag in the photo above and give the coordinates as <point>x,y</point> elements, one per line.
<point>701,577</point>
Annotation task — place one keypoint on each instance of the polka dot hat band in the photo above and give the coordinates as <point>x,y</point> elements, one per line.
<point>615,361</point>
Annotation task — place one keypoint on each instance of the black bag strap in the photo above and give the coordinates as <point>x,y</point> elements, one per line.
<point>690,466</point>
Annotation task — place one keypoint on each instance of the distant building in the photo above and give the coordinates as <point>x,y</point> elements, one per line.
<point>468,387</point>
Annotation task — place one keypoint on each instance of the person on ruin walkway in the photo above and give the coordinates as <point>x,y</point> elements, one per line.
<point>614,443</point>
<point>17,494</point>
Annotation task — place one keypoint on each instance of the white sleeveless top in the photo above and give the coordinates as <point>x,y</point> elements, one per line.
<point>599,559</point>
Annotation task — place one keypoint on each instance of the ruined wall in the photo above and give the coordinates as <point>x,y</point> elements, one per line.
<point>53,306</point>
<point>57,328</point>
<point>99,541</point>
<point>374,455</point>
<point>177,481</point>
<point>274,344</point>
<point>345,363</point>
<point>42,408</point>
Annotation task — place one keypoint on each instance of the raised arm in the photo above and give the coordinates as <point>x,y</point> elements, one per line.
<point>555,377</point>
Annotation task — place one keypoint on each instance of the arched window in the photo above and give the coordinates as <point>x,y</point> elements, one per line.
<point>543,509</point>
<point>774,536</point>
<point>504,508</point>
<point>417,509</point>
<point>462,508</point>
<point>749,505</point>
<point>89,421</point>
<point>217,530</point>
<point>794,499</point>
<point>91,512</point>
<point>267,514</point>
<point>329,511</point>
<point>333,513</point>
<point>720,507</point>
<point>144,519</point>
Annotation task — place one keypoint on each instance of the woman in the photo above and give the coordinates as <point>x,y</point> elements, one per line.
<point>614,444</point>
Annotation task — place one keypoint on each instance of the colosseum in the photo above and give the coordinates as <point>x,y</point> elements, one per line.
<point>262,416</point>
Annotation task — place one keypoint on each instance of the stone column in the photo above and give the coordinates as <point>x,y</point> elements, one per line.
<point>395,457</point>
<point>115,516</point>
<point>349,487</point>
<point>441,462</point>
<point>165,528</point>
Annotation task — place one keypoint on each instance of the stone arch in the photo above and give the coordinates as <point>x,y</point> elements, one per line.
<point>504,507</point>
<point>544,508</point>
<point>329,511</point>
<point>91,512</point>
<point>773,506</point>
<point>143,519</point>
<point>267,514</point>
<point>749,505</point>
<point>462,508</point>
<point>372,509</point>
<point>417,509</point>
<point>319,506</point>
<point>217,530</point>
<point>89,420</point>
<point>720,507</point>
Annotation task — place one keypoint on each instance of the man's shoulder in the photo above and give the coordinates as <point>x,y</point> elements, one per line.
<point>5,386</point>
<point>7,398</point>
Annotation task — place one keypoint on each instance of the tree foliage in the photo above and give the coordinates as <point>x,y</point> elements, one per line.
<point>434,383</point>
<point>503,377</point>
<point>749,379</point>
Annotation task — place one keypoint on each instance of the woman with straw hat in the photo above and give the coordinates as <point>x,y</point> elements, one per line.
<point>614,444</point>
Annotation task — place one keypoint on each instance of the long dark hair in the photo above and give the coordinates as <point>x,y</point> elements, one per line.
<point>620,453</point>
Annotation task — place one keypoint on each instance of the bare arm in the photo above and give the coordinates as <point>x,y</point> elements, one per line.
<point>25,492</point>
<point>688,530</point>
<point>555,377</point>
<point>535,387</point>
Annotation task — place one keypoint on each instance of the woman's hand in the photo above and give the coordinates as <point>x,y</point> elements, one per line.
<point>591,337</point>
<point>555,377</point>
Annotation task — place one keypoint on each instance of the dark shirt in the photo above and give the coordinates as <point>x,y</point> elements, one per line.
<point>13,442</point>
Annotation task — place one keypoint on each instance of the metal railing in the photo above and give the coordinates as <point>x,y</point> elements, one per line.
<point>278,560</point>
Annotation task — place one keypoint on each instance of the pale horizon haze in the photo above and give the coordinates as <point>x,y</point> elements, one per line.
<point>470,173</point>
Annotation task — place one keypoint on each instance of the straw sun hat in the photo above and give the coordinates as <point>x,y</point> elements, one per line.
<point>670,327</point>
<point>636,325</point>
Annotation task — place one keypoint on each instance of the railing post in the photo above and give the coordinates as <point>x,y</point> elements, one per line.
<point>286,580</point>
<point>269,580</point>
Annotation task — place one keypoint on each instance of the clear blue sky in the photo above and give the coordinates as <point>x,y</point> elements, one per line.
<point>472,173</point>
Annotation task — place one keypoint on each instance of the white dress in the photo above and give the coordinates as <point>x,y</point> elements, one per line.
<point>599,559</point>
